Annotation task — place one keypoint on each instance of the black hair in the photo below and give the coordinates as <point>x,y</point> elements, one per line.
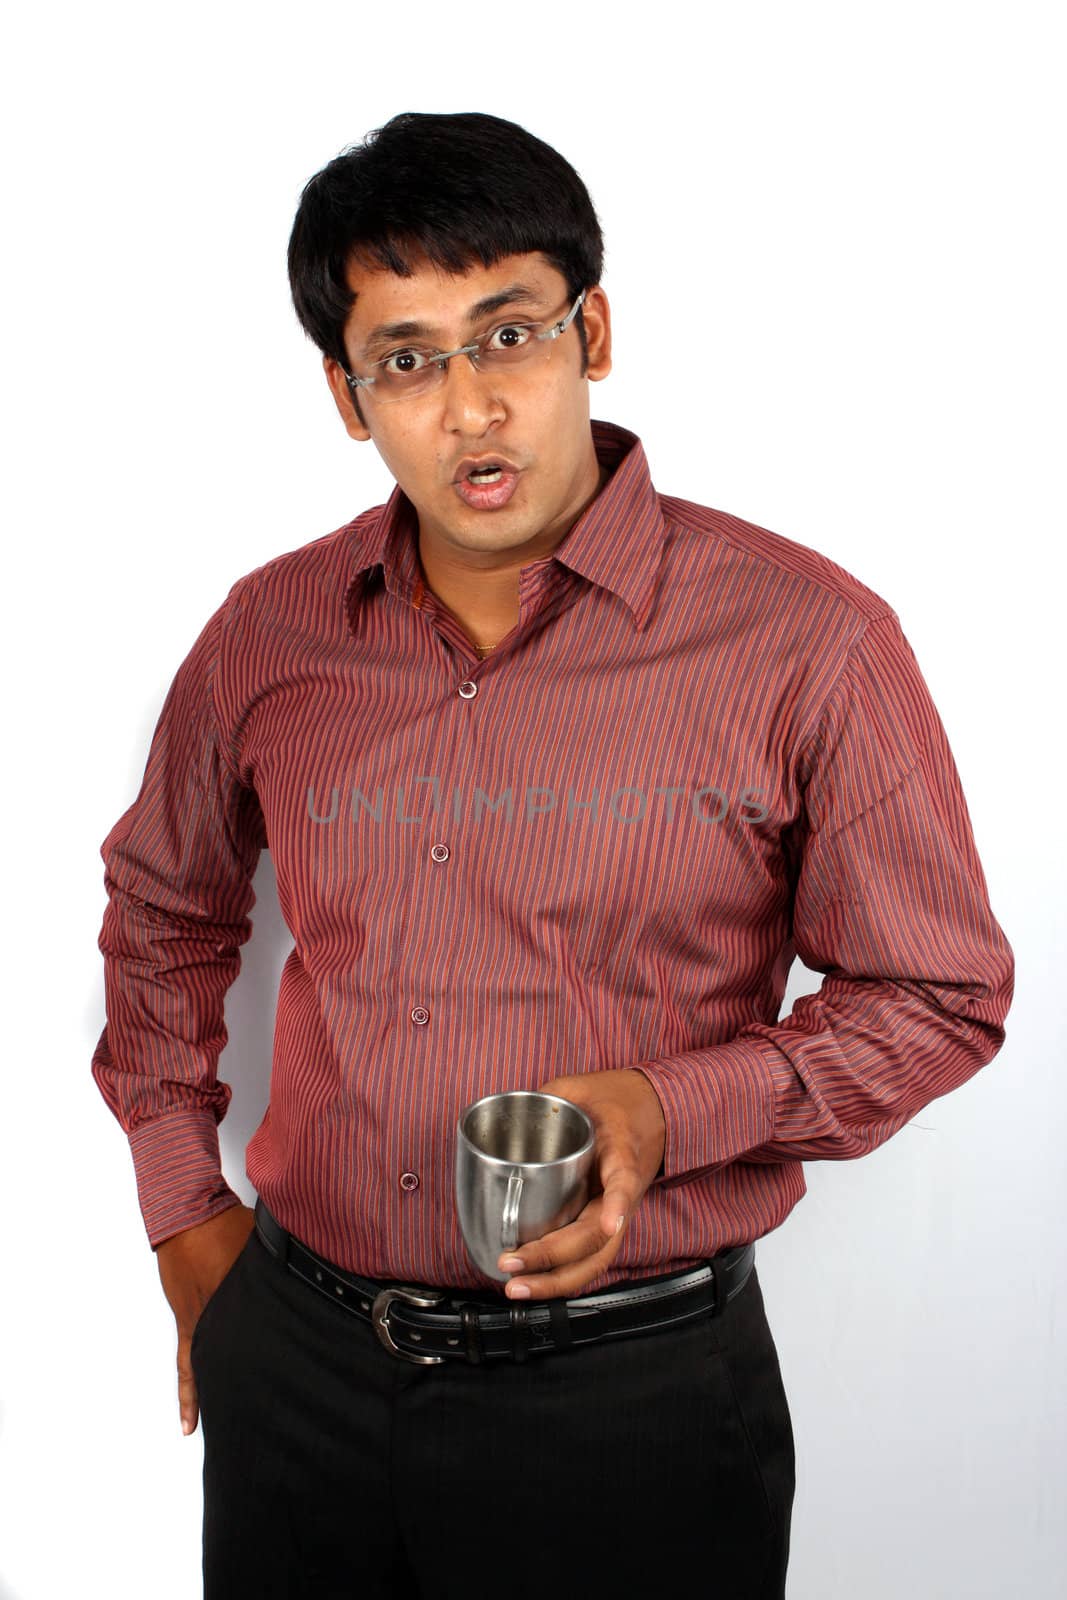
<point>457,188</point>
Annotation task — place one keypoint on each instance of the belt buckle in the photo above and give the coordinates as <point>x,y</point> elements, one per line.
<point>380,1318</point>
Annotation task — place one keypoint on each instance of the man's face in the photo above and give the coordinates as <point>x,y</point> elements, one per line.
<point>534,415</point>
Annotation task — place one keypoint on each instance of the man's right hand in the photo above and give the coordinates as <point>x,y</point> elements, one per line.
<point>192,1264</point>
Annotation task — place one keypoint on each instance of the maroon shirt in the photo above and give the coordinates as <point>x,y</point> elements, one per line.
<point>702,750</point>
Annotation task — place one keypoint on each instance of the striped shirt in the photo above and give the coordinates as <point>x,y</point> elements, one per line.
<point>703,749</point>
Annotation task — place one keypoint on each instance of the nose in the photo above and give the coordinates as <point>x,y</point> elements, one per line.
<point>472,401</point>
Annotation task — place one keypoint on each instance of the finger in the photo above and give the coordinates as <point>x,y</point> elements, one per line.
<point>621,1183</point>
<point>562,1281</point>
<point>560,1262</point>
<point>621,1188</point>
<point>601,1220</point>
<point>573,1242</point>
<point>614,1210</point>
<point>188,1405</point>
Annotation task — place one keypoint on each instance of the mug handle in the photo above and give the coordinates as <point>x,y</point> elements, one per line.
<point>509,1230</point>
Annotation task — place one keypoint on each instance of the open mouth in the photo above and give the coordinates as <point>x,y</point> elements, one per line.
<point>488,487</point>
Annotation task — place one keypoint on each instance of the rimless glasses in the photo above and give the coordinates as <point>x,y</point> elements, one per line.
<point>413,370</point>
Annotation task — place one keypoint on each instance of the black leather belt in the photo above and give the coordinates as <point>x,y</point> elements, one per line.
<point>429,1326</point>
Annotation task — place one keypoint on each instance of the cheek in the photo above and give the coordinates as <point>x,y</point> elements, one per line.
<point>400,449</point>
<point>570,408</point>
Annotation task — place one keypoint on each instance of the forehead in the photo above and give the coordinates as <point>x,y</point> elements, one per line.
<point>439,301</point>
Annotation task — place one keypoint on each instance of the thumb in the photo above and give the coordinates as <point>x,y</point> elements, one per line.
<point>619,1181</point>
<point>614,1209</point>
<point>188,1405</point>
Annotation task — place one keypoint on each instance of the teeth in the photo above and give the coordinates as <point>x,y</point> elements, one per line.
<point>489,475</point>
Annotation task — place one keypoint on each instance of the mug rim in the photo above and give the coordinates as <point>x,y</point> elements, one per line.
<point>505,1161</point>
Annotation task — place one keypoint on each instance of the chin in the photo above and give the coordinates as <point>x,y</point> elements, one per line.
<point>495,526</point>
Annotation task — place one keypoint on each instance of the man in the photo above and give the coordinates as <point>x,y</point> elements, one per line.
<point>558,774</point>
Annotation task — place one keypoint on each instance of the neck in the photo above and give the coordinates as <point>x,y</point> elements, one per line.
<point>484,598</point>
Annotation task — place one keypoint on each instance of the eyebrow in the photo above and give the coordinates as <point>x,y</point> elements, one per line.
<point>515,292</point>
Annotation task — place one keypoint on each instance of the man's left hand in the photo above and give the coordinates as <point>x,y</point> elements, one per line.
<point>630,1133</point>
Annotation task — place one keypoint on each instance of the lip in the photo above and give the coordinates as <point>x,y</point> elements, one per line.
<point>471,464</point>
<point>490,496</point>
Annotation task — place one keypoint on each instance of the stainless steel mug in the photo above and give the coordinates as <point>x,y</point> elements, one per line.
<point>522,1169</point>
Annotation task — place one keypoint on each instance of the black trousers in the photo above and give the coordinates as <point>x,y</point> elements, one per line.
<point>333,1469</point>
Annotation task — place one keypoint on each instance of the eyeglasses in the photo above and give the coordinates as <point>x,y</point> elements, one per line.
<point>413,371</point>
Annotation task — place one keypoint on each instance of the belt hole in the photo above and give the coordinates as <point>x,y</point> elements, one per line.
<point>416,1336</point>
<point>338,1289</point>
<point>318,1276</point>
<point>453,1341</point>
<point>365,1304</point>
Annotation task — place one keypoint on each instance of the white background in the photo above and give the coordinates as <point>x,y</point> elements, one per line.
<point>836,267</point>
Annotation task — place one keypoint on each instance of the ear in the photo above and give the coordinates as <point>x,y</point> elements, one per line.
<point>596,315</point>
<point>343,399</point>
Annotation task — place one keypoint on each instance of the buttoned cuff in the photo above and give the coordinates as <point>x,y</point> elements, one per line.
<point>179,1172</point>
<point>717,1103</point>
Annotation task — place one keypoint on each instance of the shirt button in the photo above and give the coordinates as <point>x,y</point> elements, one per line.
<point>468,689</point>
<point>440,852</point>
<point>409,1180</point>
<point>420,1014</point>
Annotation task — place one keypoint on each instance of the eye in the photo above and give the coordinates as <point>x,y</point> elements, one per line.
<point>403,363</point>
<point>511,336</point>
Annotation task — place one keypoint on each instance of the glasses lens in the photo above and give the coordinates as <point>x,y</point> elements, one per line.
<point>414,372</point>
<point>409,373</point>
<point>511,345</point>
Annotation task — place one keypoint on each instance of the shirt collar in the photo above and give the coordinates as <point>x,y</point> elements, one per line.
<point>617,542</point>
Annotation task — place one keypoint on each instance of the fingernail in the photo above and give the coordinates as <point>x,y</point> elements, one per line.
<point>518,1291</point>
<point>619,1222</point>
<point>187,1426</point>
<point>511,1264</point>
